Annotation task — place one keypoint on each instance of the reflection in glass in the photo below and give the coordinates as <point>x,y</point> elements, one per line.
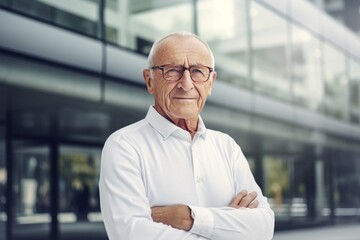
<point>226,33</point>
<point>290,186</point>
<point>269,52</point>
<point>322,188</point>
<point>305,69</point>
<point>31,187</point>
<point>136,24</point>
<point>4,3</point>
<point>335,102</point>
<point>354,91</point>
<point>276,171</point>
<point>3,181</point>
<point>300,187</point>
<point>34,122</point>
<point>76,123</point>
<point>78,15</point>
<point>347,185</point>
<point>78,188</point>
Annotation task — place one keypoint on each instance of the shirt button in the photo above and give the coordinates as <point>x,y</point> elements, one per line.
<point>198,179</point>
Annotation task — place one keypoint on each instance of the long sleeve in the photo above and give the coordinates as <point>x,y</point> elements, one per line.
<point>155,163</point>
<point>125,208</point>
<point>230,223</point>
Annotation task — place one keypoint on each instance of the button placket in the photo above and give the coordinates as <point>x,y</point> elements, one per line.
<point>196,165</point>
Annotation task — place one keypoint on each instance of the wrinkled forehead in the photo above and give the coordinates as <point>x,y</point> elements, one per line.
<point>181,48</point>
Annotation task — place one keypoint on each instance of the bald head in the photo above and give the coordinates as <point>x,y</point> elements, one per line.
<point>158,45</point>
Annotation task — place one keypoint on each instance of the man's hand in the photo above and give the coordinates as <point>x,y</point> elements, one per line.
<point>177,216</point>
<point>243,199</point>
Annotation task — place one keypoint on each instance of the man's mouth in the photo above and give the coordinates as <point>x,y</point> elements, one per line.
<point>185,98</point>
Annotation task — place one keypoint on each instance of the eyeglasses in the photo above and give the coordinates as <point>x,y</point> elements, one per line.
<point>171,72</point>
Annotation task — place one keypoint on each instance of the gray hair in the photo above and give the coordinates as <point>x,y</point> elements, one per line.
<point>154,47</point>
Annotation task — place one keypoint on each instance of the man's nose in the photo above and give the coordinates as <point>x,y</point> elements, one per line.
<point>186,83</point>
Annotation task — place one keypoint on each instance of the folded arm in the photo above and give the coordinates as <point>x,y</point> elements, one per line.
<point>128,215</point>
<point>179,216</point>
<point>240,220</point>
<point>248,219</point>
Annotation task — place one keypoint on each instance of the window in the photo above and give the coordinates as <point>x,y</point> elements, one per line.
<point>354,91</point>
<point>78,184</point>
<point>3,181</point>
<point>269,53</point>
<point>4,3</point>
<point>136,24</point>
<point>291,182</point>
<point>31,187</point>
<point>226,33</point>
<point>335,101</point>
<point>306,79</point>
<point>347,179</point>
<point>80,16</point>
<point>277,180</point>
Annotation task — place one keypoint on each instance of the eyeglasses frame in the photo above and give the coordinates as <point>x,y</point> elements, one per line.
<point>162,67</point>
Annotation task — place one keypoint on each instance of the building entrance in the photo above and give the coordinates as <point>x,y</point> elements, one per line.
<point>77,212</point>
<point>52,151</point>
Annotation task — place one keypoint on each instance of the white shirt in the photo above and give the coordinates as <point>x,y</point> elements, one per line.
<point>153,162</point>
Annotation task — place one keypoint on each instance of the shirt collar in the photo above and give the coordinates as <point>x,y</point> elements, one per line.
<point>166,127</point>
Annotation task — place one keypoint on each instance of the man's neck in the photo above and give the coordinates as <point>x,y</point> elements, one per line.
<point>189,125</point>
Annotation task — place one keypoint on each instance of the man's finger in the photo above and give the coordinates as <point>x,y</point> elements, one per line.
<point>254,204</point>
<point>245,201</point>
<point>237,199</point>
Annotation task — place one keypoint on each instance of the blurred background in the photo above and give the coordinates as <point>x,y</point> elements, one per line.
<point>288,91</point>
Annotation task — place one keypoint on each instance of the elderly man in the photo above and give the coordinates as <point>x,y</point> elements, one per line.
<point>168,176</point>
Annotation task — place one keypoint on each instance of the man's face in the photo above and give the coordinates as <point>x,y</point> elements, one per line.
<point>182,99</point>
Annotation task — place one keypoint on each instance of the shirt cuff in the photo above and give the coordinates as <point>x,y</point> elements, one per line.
<point>203,224</point>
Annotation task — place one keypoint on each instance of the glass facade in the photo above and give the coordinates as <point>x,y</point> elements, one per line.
<point>78,180</point>
<point>335,101</point>
<point>31,184</point>
<point>3,182</point>
<point>277,177</point>
<point>79,15</point>
<point>354,91</point>
<point>347,178</point>
<point>231,47</point>
<point>136,24</point>
<point>54,118</point>
<point>307,86</point>
<point>269,47</point>
<point>346,12</point>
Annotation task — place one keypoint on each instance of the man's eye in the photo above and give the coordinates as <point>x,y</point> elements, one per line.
<point>173,70</point>
<point>197,71</point>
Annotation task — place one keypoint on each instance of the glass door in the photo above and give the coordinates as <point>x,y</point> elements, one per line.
<point>31,190</point>
<point>277,184</point>
<point>3,182</point>
<point>78,190</point>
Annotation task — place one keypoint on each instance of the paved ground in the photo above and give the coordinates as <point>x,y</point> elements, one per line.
<point>337,232</point>
<point>86,231</point>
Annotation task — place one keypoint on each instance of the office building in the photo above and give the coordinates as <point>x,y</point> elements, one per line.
<point>288,91</point>
<point>347,12</point>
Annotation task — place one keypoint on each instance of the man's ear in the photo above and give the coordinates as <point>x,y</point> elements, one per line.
<point>148,80</point>
<point>211,82</point>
